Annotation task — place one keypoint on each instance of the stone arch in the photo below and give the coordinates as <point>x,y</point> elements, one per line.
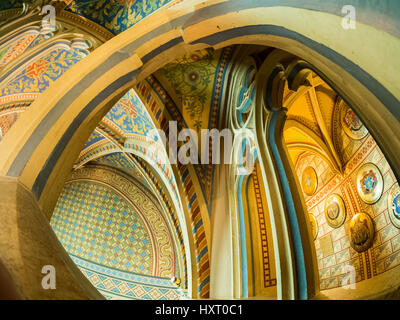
<point>58,123</point>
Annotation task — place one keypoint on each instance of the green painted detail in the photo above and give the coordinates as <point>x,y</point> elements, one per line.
<point>3,52</point>
<point>192,79</point>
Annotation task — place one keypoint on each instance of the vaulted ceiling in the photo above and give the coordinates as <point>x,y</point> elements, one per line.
<point>115,15</point>
<point>310,122</point>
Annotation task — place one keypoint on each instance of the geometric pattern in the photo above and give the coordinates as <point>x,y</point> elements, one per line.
<point>38,75</point>
<point>116,237</point>
<point>148,153</point>
<point>17,47</point>
<point>93,222</point>
<point>73,223</point>
<point>6,121</point>
<point>158,185</point>
<point>129,116</point>
<point>385,252</point>
<point>120,161</point>
<point>204,174</point>
<point>96,150</point>
<point>118,285</point>
<point>163,248</point>
<point>128,119</point>
<point>94,138</point>
<point>198,229</point>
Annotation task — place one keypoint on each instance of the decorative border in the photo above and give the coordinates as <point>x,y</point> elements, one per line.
<point>161,121</point>
<point>117,285</point>
<point>86,24</point>
<point>117,181</point>
<point>268,282</point>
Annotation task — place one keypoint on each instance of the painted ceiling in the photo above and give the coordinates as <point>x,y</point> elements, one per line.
<point>94,139</point>
<point>127,119</point>
<point>314,127</point>
<point>193,83</point>
<point>15,47</point>
<point>122,133</point>
<point>129,116</point>
<point>191,89</point>
<point>355,147</point>
<point>36,73</point>
<point>11,4</point>
<point>85,219</point>
<point>37,76</point>
<point>309,125</point>
<point>121,161</point>
<point>112,236</point>
<point>190,83</point>
<point>115,15</point>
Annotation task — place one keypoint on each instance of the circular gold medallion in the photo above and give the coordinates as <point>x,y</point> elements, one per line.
<point>394,205</point>
<point>361,232</point>
<point>309,181</point>
<point>314,226</point>
<point>335,211</point>
<point>351,124</point>
<point>369,183</point>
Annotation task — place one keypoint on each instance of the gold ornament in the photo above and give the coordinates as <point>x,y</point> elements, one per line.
<point>369,183</point>
<point>394,205</point>
<point>361,232</point>
<point>351,124</point>
<point>309,181</point>
<point>314,226</point>
<point>335,211</point>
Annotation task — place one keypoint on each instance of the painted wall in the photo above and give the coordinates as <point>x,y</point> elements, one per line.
<point>385,252</point>
<point>116,16</point>
<point>23,80</point>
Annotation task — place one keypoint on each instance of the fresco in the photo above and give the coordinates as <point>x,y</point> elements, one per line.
<point>333,246</point>
<point>116,235</point>
<point>190,82</point>
<point>116,16</point>
<point>129,116</point>
<point>119,160</point>
<point>17,46</point>
<point>95,223</point>
<point>191,88</point>
<point>11,4</point>
<point>39,74</point>
<point>94,138</point>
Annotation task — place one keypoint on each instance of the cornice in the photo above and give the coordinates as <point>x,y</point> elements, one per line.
<point>86,24</point>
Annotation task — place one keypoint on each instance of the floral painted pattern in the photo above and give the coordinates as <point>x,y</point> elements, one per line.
<point>13,50</point>
<point>116,15</point>
<point>192,78</point>
<point>37,76</point>
<point>94,138</point>
<point>130,115</point>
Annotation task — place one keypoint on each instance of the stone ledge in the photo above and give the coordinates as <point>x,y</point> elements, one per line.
<point>27,243</point>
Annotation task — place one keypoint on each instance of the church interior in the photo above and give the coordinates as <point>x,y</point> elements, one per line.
<point>89,210</point>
